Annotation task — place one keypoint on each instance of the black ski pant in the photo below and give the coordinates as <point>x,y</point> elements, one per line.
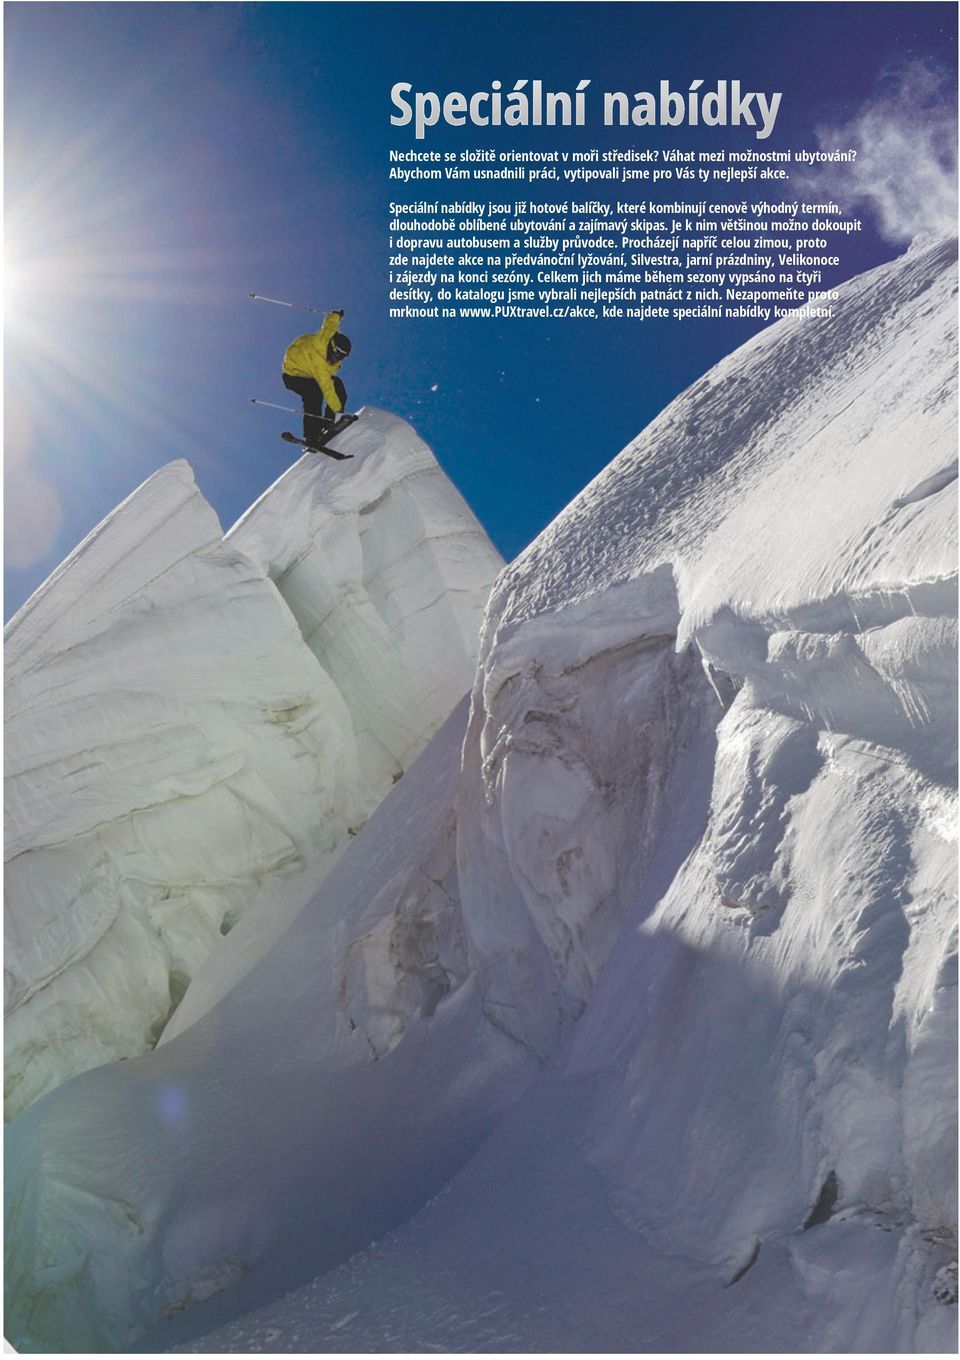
<point>317,415</point>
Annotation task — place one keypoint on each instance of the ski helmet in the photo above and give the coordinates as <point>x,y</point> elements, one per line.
<point>339,347</point>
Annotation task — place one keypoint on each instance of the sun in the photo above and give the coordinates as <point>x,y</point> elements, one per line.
<point>18,280</point>
<point>69,289</point>
<point>75,386</point>
<point>11,285</point>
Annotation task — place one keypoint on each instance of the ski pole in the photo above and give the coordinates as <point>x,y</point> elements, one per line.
<point>297,306</point>
<point>294,410</point>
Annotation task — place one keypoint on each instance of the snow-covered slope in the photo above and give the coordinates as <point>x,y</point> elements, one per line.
<point>197,725</point>
<point>793,516</point>
<point>267,1132</point>
<point>773,1043</point>
<point>674,941</point>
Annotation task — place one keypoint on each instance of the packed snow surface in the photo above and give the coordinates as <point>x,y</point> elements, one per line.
<point>196,725</point>
<point>627,1021</point>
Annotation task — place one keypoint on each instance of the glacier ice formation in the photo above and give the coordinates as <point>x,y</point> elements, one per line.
<point>648,963</point>
<point>196,724</point>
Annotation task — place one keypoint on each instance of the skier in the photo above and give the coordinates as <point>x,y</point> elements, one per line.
<point>310,367</point>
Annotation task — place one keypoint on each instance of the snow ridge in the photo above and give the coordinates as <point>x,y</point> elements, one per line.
<point>180,756</point>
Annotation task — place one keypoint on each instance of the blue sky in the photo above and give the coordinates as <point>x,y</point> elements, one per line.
<point>165,160</point>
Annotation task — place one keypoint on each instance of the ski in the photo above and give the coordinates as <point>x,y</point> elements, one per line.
<point>313,448</point>
<point>336,428</point>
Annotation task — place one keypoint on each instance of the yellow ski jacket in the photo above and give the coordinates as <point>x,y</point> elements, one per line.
<point>306,357</point>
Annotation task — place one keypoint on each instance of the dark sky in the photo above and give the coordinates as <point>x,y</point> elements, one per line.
<point>165,160</point>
